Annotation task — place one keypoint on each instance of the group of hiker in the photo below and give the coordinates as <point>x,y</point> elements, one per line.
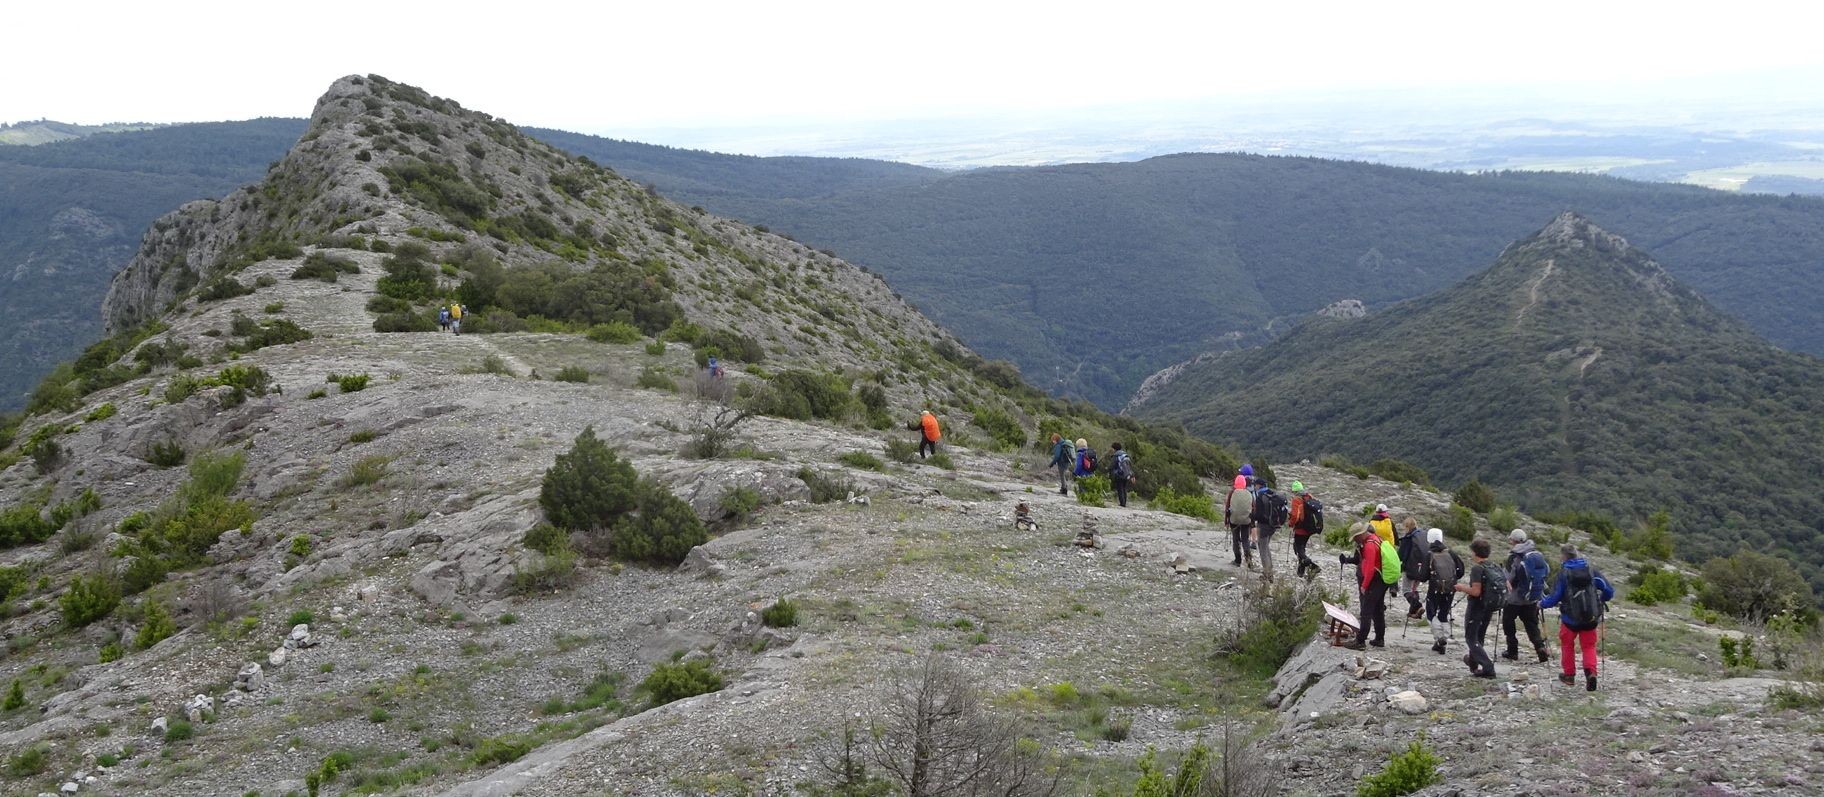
<point>1077,460</point>
<point>1254,512</point>
<point>449,317</point>
<point>1514,589</point>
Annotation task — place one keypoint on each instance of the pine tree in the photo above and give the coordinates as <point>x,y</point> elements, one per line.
<point>589,487</point>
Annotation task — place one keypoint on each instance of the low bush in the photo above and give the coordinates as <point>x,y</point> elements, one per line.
<point>1007,433</point>
<point>826,487</point>
<point>155,625</point>
<point>222,288</point>
<point>614,332</point>
<point>589,487</point>
<point>655,379</point>
<point>101,413</point>
<point>404,322</point>
<point>1753,586</point>
<point>15,697</point>
<point>862,460</point>
<point>493,364</point>
<point>671,682</point>
<point>942,459</point>
<point>901,450</point>
<point>1199,505</point>
<point>1460,524</point>
<point>656,348</point>
<point>386,304</point>
<point>1408,771</point>
<point>1475,495</point>
<point>1094,490</point>
<point>1270,626</point>
<point>31,761</point>
<point>269,332</point>
<point>366,471</point>
<point>572,373</point>
<point>165,454</point>
<point>782,614</point>
<point>739,504</point>
<point>803,395</point>
<point>498,750</point>
<point>1503,519</point>
<point>554,570</point>
<point>662,532</point>
<point>1652,586</point>
<point>88,598</point>
<point>545,538</point>
<point>24,524</point>
<point>325,267</point>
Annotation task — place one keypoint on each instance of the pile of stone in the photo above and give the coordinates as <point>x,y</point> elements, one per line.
<point>1088,537</point>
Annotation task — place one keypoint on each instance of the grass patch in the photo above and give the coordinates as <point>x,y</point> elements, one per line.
<point>862,460</point>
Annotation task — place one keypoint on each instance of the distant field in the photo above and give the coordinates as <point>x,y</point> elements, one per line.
<point>1732,178</point>
<point>1592,164</point>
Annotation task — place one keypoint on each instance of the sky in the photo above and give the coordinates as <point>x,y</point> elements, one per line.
<point>618,65</point>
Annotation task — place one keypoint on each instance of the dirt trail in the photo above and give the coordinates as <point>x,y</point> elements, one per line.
<point>1532,291</point>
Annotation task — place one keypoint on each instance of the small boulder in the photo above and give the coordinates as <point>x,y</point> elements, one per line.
<point>199,707</point>
<point>277,657</point>
<point>1409,702</point>
<point>1129,551</point>
<point>300,637</point>
<point>250,677</point>
<point>160,725</point>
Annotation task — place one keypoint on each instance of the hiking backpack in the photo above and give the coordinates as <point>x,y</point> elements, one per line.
<point>1537,571</point>
<point>1412,552</point>
<point>1313,521</point>
<point>1446,568</point>
<point>1582,601</point>
<point>1277,510</point>
<point>1390,563</point>
<point>1241,514</point>
<point>1494,586</point>
<point>1124,466</point>
<point>1086,462</point>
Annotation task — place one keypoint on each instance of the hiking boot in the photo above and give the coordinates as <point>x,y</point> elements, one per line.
<point>1567,679</point>
<point>1379,643</point>
<point>1438,646</point>
<point>1510,655</point>
<point>1544,655</point>
<point>1483,674</point>
<point>1236,563</point>
<point>1415,614</point>
<point>1589,680</point>
<point>1356,645</point>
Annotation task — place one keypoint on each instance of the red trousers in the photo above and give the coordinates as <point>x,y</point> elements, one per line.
<point>1568,640</point>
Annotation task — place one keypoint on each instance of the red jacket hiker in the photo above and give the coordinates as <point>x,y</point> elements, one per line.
<point>1370,561</point>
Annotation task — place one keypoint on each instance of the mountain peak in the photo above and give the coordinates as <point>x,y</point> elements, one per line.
<point>1572,228</point>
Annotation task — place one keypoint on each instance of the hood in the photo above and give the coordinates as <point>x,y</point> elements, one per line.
<point>1437,547</point>
<point>1525,547</point>
<point>1576,564</point>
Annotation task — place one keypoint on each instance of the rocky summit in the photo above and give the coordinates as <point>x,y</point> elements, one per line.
<point>281,535</point>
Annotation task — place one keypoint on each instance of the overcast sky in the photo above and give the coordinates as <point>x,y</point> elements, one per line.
<point>627,65</point>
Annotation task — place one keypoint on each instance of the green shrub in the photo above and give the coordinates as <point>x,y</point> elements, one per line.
<point>89,598</point>
<point>826,487</point>
<point>350,383</point>
<point>664,530</point>
<point>222,288</point>
<point>404,322</point>
<point>655,379</point>
<point>112,651</point>
<point>178,731</point>
<point>862,460</point>
<point>672,682</point>
<point>1753,585</point>
<point>554,570</point>
<point>782,614</point>
<point>24,524</point>
<point>1408,771</point>
<point>47,454</point>
<point>273,308</point>
<point>1653,540</point>
<point>15,697</point>
<point>1094,490</point>
<point>1652,586</point>
<point>656,348</point>
<point>381,305</point>
<point>1199,505</point>
<point>1738,652</point>
<point>493,364</point>
<point>300,546</point>
<point>1008,434</point>
<point>1271,626</point>
<point>101,413</point>
<point>614,332</point>
<point>409,275</point>
<point>270,332</point>
<point>1476,496</point>
<point>545,538</point>
<point>802,395</point>
<point>942,459</point>
<point>325,267</point>
<point>498,750</point>
<point>572,373</point>
<point>1503,519</point>
<point>739,504</point>
<point>31,761</point>
<point>1461,524</point>
<point>366,470</point>
<point>901,450</point>
<point>588,487</point>
<point>155,625</point>
<point>362,436</point>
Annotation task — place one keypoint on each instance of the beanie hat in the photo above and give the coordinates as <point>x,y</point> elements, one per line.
<point>1241,482</point>
<point>1517,535</point>
<point>1434,535</point>
<point>1298,486</point>
<point>1247,470</point>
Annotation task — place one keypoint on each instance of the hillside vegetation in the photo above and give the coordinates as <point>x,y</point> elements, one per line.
<point>1093,276</point>
<point>1574,375</point>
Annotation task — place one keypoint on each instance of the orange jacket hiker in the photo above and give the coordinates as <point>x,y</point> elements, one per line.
<point>932,432</point>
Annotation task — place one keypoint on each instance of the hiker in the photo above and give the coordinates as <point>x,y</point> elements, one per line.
<point>443,319</point>
<point>1238,511</point>
<point>1581,594</point>
<point>1526,574</point>
<point>1381,523</point>
<point>1487,590</point>
<point>1412,547</point>
<point>1086,460</point>
<point>1378,564</point>
<point>1122,474</point>
<point>456,318</point>
<point>1061,458</point>
<point>1307,519</point>
<point>929,434</point>
<point>714,366</point>
<point>1270,512</point>
<point>1439,569</point>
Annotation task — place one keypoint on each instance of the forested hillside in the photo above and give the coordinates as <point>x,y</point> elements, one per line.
<point>1093,276</point>
<point>72,212</point>
<point>1573,375</point>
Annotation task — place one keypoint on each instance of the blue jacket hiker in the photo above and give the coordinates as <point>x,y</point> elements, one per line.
<point>1063,458</point>
<point>1580,595</point>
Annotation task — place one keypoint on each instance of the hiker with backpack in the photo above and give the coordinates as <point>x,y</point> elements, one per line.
<point>1439,569</point>
<point>1238,512</point>
<point>1526,574</point>
<point>1121,474</point>
<point>1382,523</point>
<point>1085,466</point>
<point>1271,511</point>
<point>929,433</point>
<point>1487,591</point>
<point>456,311</point>
<point>1062,458</point>
<point>1307,519</point>
<point>1379,566</point>
<point>1581,595</point>
<point>443,319</point>
<point>1412,546</point>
